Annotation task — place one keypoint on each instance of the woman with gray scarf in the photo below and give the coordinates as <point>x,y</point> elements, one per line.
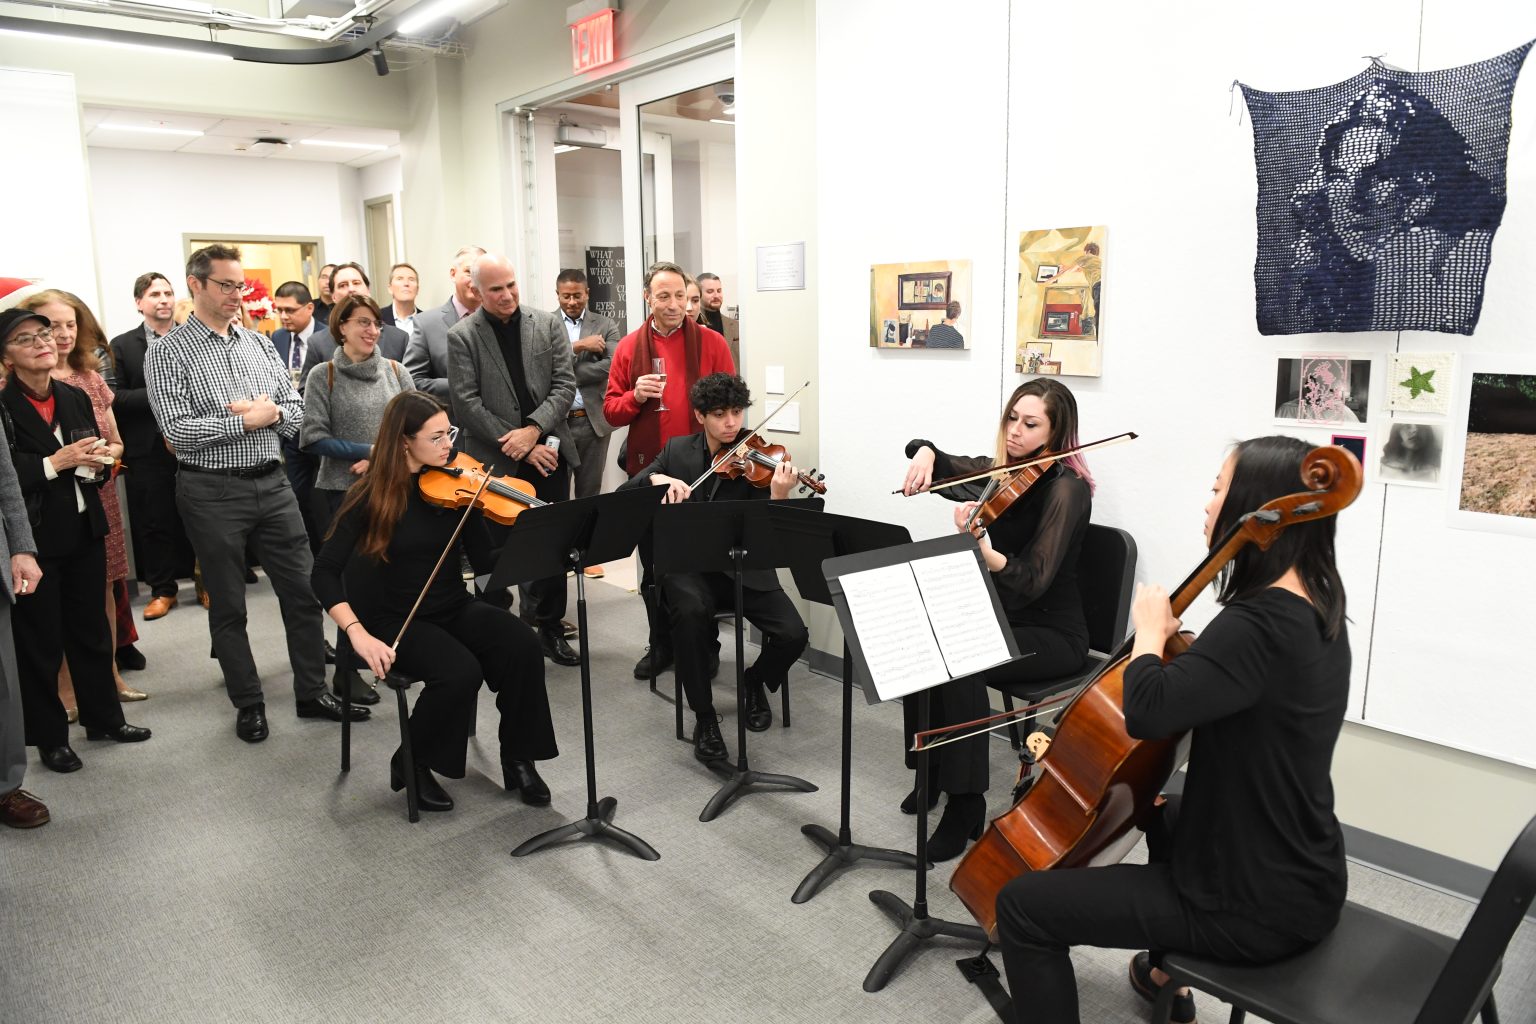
<point>344,400</point>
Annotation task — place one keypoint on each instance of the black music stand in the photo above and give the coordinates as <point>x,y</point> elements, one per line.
<point>813,539</point>
<point>569,536</point>
<point>914,922</point>
<point>729,537</point>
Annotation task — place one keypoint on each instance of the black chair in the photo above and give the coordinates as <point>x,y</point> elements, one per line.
<point>399,683</point>
<point>1106,575</point>
<point>1377,968</point>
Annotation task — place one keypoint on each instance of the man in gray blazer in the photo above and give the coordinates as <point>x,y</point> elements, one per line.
<point>510,389</point>
<point>593,338</point>
<point>19,576</point>
<point>426,357</point>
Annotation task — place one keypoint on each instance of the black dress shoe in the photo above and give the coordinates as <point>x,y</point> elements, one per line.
<point>1183,1009</point>
<point>759,714</point>
<point>965,815</point>
<point>251,723</point>
<point>524,777</point>
<point>568,629</point>
<point>430,794</point>
<point>59,759</point>
<point>643,666</point>
<point>708,744</point>
<point>330,653</point>
<point>250,575</point>
<point>124,733</point>
<point>327,706</point>
<point>555,647</point>
<point>131,659</point>
<point>362,693</point>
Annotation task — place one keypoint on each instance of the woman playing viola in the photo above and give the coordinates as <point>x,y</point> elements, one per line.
<point>1248,865</point>
<point>1031,550</point>
<point>379,552</point>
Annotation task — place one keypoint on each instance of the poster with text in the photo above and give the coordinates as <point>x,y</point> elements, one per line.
<point>1061,296</point>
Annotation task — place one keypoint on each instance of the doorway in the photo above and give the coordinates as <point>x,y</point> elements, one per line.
<point>268,261</point>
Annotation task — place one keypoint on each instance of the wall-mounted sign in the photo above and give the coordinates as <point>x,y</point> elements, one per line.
<point>781,268</point>
<point>592,41</point>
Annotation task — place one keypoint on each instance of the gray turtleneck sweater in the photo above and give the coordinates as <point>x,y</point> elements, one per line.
<point>343,405</point>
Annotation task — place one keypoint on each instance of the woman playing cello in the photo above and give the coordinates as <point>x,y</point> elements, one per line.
<point>1032,551</point>
<point>1249,864</point>
<point>378,555</point>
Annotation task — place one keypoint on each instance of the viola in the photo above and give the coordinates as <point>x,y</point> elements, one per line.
<point>1002,491</point>
<point>1096,783</point>
<point>464,482</point>
<point>756,461</point>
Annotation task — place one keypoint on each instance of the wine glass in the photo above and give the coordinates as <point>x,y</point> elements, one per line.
<point>659,367</point>
<point>80,434</point>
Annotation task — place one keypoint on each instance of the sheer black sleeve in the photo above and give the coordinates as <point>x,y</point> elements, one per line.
<point>331,562</point>
<point>1031,570</point>
<point>946,465</point>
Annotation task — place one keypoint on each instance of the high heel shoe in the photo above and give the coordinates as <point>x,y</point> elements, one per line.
<point>126,694</point>
<point>964,817</point>
<point>909,805</point>
<point>430,795</point>
<point>73,714</point>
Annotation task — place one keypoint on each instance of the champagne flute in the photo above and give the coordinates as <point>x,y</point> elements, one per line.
<point>659,367</point>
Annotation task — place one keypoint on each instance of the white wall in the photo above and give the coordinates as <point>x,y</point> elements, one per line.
<point>143,202</point>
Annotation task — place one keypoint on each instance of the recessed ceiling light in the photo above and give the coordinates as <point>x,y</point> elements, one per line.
<point>159,51</point>
<point>147,129</point>
<point>425,14</point>
<point>375,147</point>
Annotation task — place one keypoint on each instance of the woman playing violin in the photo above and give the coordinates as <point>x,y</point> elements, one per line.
<point>1032,551</point>
<point>1248,865</point>
<point>689,599</point>
<point>378,555</point>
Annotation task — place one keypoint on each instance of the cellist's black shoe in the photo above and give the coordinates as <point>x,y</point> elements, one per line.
<point>759,714</point>
<point>708,744</point>
<point>1183,1009</point>
<point>430,794</point>
<point>964,817</point>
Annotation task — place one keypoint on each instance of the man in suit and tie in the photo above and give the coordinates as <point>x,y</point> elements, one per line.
<point>349,279</point>
<point>511,388</point>
<point>161,551</point>
<point>298,335</point>
<point>593,338</point>
<point>426,358</point>
<point>401,310</point>
<point>712,296</point>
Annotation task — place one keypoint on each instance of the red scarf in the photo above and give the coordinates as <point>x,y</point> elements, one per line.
<point>645,438</point>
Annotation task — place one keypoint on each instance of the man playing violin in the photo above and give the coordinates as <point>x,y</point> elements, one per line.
<point>689,600</point>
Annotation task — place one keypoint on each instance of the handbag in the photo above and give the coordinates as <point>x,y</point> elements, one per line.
<point>34,499</point>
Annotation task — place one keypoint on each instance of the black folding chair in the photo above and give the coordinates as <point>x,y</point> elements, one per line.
<point>1377,968</point>
<point>1106,576</point>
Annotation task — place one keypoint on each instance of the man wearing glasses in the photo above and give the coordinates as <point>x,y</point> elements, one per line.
<point>224,400</point>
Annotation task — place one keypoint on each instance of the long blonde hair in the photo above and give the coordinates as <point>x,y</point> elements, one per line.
<point>89,337</point>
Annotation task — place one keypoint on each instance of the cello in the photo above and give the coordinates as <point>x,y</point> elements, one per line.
<point>1097,784</point>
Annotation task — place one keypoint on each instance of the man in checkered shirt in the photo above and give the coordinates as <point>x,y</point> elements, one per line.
<point>223,399</point>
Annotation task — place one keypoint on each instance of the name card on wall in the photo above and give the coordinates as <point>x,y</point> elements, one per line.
<point>781,268</point>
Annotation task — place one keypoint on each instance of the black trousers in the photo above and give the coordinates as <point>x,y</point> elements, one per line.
<point>543,600</point>
<point>452,654</point>
<point>300,467</point>
<point>962,767</point>
<point>66,618</point>
<point>1041,914</point>
<point>161,552</point>
<point>690,600</point>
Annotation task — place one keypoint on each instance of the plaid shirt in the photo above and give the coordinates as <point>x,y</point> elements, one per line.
<point>193,374</point>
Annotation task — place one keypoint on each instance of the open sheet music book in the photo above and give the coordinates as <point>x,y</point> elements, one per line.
<point>924,622</point>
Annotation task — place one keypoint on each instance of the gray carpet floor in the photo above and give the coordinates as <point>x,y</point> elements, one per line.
<point>197,878</point>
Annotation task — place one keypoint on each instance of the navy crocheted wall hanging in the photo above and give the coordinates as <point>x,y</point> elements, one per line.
<point>1379,197</point>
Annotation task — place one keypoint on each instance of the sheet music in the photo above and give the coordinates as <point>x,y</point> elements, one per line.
<point>893,629</point>
<point>959,606</point>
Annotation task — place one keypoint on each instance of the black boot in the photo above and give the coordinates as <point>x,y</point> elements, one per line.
<point>964,817</point>
<point>708,744</point>
<point>759,714</point>
<point>430,795</point>
<point>349,680</point>
<point>909,805</point>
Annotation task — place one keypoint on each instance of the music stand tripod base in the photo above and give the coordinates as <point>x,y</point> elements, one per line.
<point>841,855</point>
<point>596,825</point>
<point>914,931</point>
<point>740,779</point>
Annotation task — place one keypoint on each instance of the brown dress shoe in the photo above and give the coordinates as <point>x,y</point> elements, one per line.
<point>20,809</point>
<point>158,608</point>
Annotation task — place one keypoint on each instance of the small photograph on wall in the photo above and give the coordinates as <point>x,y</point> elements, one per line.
<point>1322,389</point>
<point>1354,444</point>
<point>920,305</point>
<point>1061,295</point>
<point>1408,452</point>
<point>1498,467</point>
<point>1419,382</point>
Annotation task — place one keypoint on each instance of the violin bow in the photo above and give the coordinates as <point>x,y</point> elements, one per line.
<point>955,481</point>
<point>735,449</point>
<point>1002,721</point>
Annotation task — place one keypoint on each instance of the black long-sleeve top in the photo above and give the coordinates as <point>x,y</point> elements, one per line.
<point>381,593</point>
<point>1265,693</point>
<point>1041,535</point>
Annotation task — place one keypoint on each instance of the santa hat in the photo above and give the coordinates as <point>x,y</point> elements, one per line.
<point>15,290</point>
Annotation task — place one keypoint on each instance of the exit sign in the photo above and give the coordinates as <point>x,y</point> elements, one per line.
<point>592,41</point>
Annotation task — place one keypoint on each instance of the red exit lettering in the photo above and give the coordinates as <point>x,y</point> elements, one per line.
<point>592,41</point>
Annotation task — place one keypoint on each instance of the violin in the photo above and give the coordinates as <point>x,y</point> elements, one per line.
<point>1096,783</point>
<point>1002,491</point>
<point>464,482</point>
<point>755,461</point>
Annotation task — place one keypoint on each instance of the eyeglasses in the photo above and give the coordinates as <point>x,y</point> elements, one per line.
<point>39,339</point>
<point>442,440</point>
<point>365,323</point>
<point>227,287</point>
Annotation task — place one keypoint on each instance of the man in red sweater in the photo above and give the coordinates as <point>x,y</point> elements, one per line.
<point>648,383</point>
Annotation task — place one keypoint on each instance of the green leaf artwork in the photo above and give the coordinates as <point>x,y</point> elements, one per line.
<point>1418,382</point>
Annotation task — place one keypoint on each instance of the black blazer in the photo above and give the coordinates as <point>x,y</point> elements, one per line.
<point>130,402</point>
<point>58,534</point>
<point>282,338</point>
